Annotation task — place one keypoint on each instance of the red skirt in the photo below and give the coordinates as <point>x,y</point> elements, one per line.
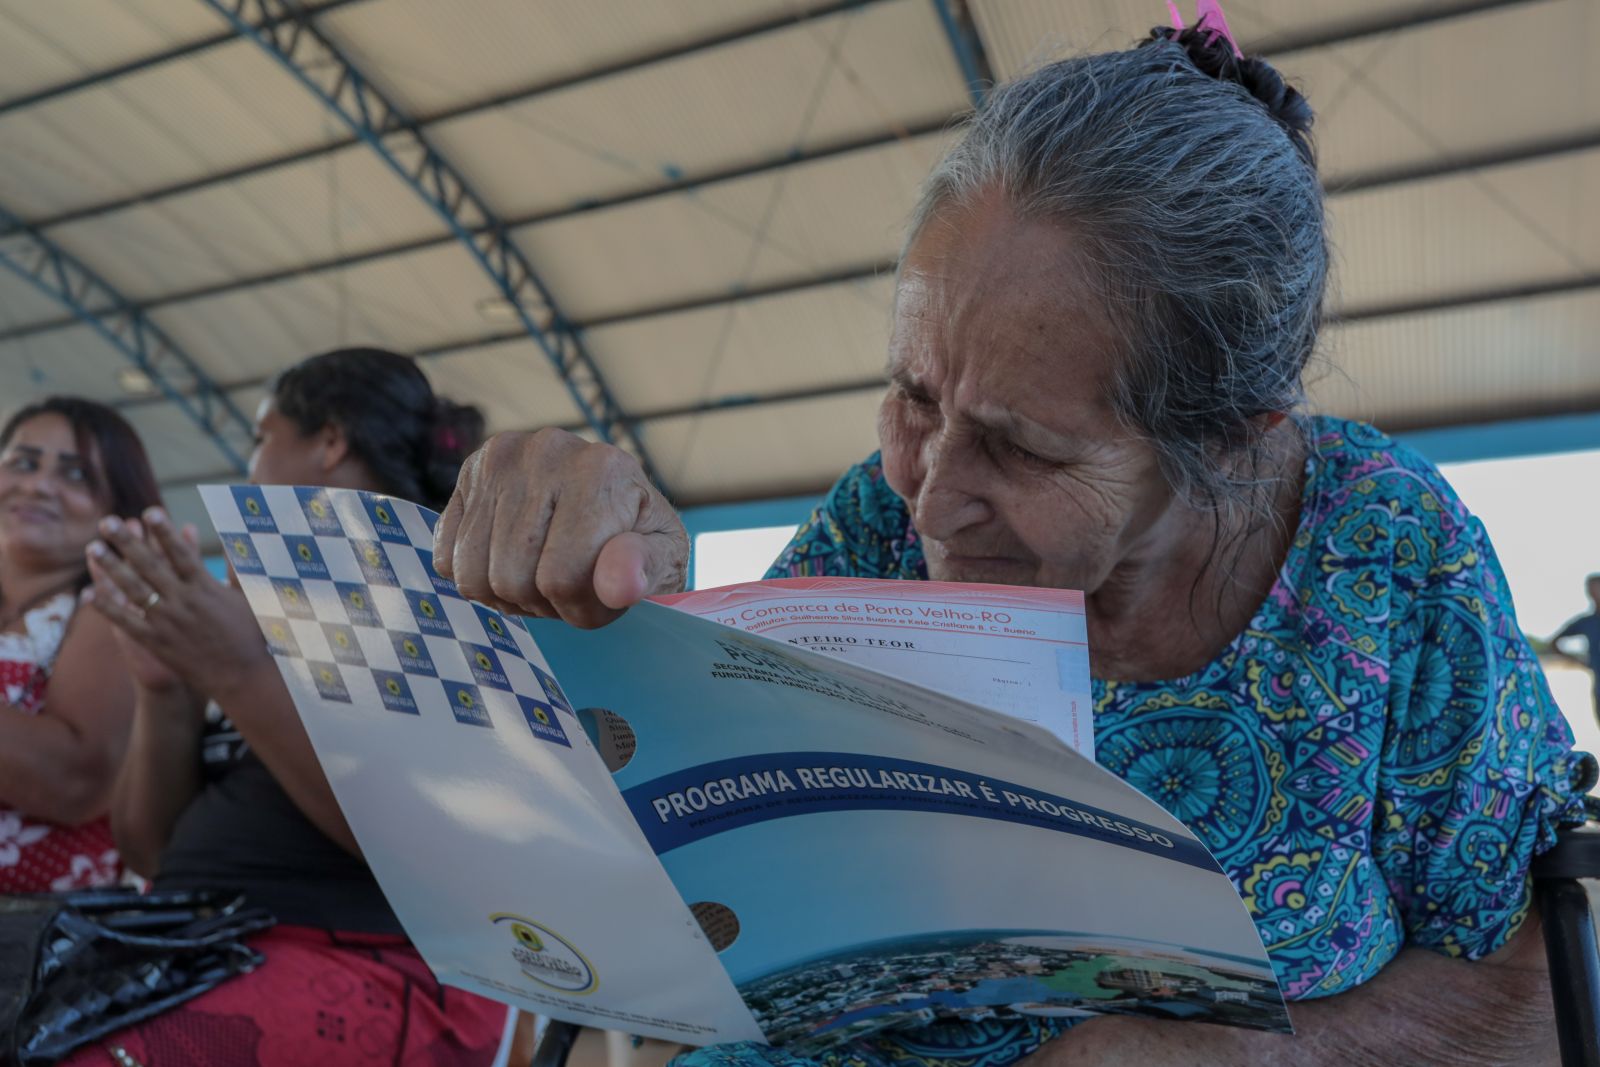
<point>321,999</point>
<point>41,857</point>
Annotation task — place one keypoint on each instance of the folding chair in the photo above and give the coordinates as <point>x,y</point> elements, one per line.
<point>1569,941</point>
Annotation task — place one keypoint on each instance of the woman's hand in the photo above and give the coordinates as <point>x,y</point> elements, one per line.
<point>547,524</point>
<point>156,590</point>
<point>148,672</point>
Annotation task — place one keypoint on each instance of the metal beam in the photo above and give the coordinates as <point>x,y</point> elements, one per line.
<point>522,95</point>
<point>1475,298</point>
<point>1379,24</point>
<point>287,34</point>
<point>126,327</point>
<point>1466,163</point>
<point>955,17</point>
<point>862,273</point>
<point>122,70</point>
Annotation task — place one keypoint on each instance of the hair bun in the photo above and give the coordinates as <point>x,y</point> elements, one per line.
<point>1211,54</point>
<point>457,432</point>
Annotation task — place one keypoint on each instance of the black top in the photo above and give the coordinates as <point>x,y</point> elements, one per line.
<point>241,831</point>
<point>1588,627</point>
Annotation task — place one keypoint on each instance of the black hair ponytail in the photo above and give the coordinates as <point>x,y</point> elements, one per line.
<point>412,441</point>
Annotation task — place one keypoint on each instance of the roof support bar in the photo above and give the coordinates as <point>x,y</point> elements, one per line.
<point>967,43</point>
<point>288,34</point>
<point>126,327</point>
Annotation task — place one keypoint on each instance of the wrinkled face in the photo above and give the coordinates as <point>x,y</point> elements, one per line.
<point>283,455</point>
<point>50,496</point>
<point>998,429</point>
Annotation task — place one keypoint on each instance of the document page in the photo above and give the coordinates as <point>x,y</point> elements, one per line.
<point>478,800</point>
<point>867,853</point>
<point>1017,650</point>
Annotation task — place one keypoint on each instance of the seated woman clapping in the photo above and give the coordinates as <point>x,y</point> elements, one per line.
<point>221,788</point>
<point>65,699</point>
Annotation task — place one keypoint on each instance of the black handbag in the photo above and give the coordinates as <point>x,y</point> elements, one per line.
<point>76,966</point>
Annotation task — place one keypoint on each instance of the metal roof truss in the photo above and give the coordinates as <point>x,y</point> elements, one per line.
<point>287,33</point>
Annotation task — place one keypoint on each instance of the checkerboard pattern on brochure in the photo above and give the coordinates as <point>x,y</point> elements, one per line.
<point>347,596</point>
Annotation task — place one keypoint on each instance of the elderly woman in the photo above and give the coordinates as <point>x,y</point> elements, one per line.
<point>1301,641</point>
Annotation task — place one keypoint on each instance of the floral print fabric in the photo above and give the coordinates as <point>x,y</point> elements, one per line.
<point>1374,761</point>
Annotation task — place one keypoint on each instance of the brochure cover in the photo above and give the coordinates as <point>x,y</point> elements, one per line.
<point>707,832</point>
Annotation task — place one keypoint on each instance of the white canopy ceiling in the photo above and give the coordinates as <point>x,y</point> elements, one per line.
<point>714,191</point>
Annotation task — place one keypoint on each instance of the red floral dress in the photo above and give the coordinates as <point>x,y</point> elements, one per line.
<point>37,856</point>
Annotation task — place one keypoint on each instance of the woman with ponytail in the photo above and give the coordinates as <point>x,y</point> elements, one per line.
<point>221,788</point>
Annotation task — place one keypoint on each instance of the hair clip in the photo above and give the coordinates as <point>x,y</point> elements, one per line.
<point>1207,16</point>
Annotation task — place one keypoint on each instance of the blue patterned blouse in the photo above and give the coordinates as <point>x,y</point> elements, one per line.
<point>1374,761</point>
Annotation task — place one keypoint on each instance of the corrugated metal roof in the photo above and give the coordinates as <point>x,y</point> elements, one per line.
<point>1518,224</point>
<point>512,382</point>
<point>406,303</point>
<point>163,124</point>
<point>811,85</point>
<point>52,43</point>
<point>437,54</point>
<point>713,189</point>
<point>1499,360</point>
<point>775,450</point>
<point>722,239</point>
<point>811,338</point>
<point>344,203</point>
<point>1022,34</point>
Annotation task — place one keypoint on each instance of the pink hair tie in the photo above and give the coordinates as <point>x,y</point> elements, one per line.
<point>1208,16</point>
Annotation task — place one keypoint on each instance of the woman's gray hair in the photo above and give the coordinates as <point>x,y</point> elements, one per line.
<point>1191,179</point>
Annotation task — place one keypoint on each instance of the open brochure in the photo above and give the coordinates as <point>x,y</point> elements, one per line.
<point>797,811</point>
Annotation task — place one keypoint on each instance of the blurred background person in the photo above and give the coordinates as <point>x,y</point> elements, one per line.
<point>65,696</point>
<point>1586,627</point>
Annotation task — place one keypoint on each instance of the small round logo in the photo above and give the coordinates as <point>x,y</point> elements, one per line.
<point>484,661</point>
<point>341,639</point>
<point>494,625</point>
<point>540,714</point>
<point>326,674</point>
<point>371,555</point>
<point>426,607</point>
<point>547,957</point>
<point>291,594</point>
<point>382,513</point>
<point>252,506</point>
<point>241,549</point>
<point>392,685</point>
<point>357,600</point>
<point>410,647</point>
<point>278,631</point>
<point>318,508</point>
<point>305,552</point>
<point>464,698</point>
